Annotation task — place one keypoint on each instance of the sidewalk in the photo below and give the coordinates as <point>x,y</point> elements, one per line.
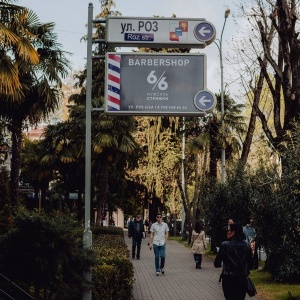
<point>182,281</point>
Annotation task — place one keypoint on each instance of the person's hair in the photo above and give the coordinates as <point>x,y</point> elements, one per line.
<point>238,229</point>
<point>198,227</point>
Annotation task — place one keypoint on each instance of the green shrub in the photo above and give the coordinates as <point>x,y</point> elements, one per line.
<point>42,253</point>
<point>111,230</point>
<point>113,273</point>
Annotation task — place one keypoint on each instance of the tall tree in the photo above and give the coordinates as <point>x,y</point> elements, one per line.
<point>40,82</point>
<point>275,50</point>
<point>111,136</point>
<point>13,21</point>
<point>210,133</point>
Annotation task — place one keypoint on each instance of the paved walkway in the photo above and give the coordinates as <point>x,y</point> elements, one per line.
<point>182,281</point>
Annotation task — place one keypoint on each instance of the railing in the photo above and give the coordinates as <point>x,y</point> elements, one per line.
<point>10,291</point>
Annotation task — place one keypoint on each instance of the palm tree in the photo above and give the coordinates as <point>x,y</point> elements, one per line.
<point>40,83</point>
<point>64,154</point>
<point>37,174</point>
<point>111,136</point>
<point>210,134</point>
<point>12,22</point>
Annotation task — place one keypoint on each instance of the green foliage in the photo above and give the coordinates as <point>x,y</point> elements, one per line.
<point>4,187</point>
<point>42,253</point>
<point>113,273</point>
<point>224,201</point>
<point>5,208</point>
<point>277,212</point>
<point>111,230</point>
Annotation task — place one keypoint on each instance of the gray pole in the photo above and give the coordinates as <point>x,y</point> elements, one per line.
<point>183,178</point>
<point>223,162</point>
<point>87,234</point>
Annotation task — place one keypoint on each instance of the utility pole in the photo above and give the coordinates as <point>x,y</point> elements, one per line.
<point>87,234</point>
<point>219,45</point>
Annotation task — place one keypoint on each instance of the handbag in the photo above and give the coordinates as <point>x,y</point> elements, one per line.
<point>251,290</point>
<point>204,243</point>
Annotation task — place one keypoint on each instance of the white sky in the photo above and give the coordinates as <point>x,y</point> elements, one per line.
<point>71,16</point>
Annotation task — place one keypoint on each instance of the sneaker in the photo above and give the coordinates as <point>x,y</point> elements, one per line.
<point>157,273</point>
<point>162,271</point>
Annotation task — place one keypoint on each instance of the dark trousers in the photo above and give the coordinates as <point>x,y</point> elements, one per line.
<point>234,288</point>
<point>255,258</point>
<point>136,245</point>
<point>198,259</point>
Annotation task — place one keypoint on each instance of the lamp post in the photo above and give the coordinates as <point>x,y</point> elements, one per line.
<point>87,234</point>
<point>219,45</point>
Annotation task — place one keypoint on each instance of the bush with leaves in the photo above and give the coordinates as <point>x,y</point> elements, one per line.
<point>224,201</point>
<point>113,273</point>
<point>277,195</point>
<point>41,253</point>
<point>5,207</point>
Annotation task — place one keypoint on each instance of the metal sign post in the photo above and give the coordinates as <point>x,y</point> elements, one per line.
<point>157,84</point>
<point>87,234</point>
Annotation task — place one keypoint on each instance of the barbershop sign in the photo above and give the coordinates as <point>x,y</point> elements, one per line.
<point>157,84</point>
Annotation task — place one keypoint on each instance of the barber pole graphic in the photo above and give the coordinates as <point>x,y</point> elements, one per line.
<point>113,82</point>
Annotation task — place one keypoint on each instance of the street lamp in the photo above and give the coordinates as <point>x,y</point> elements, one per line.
<point>219,45</point>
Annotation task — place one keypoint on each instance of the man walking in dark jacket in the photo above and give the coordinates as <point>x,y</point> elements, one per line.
<point>135,231</point>
<point>236,256</point>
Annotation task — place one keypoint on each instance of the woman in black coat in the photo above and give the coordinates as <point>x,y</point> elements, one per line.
<point>235,256</point>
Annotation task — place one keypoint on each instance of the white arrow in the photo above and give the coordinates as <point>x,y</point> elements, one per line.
<point>203,100</point>
<point>203,31</point>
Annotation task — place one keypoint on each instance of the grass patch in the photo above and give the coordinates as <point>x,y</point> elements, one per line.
<point>268,290</point>
<point>179,240</point>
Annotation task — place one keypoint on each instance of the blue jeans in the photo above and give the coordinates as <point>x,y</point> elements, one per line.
<point>160,253</point>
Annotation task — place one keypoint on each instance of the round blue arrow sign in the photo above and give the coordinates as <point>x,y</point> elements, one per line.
<point>205,101</point>
<point>204,31</point>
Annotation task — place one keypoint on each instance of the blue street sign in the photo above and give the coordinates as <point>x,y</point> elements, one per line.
<point>205,31</point>
<point>205,101</point>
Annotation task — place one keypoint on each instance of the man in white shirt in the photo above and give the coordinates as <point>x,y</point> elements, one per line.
<point>158,238</point>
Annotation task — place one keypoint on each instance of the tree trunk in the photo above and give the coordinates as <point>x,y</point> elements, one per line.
<point>251,127</point>
<point>103,184</point>
<point>215,154</point>
<point>184,197</point>
<point>16,130</point>
<point>196,194</point>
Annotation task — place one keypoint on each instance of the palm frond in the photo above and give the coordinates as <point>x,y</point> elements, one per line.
<point>9,80</point>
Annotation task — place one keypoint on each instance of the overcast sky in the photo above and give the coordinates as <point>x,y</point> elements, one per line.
<point>71,16</point>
